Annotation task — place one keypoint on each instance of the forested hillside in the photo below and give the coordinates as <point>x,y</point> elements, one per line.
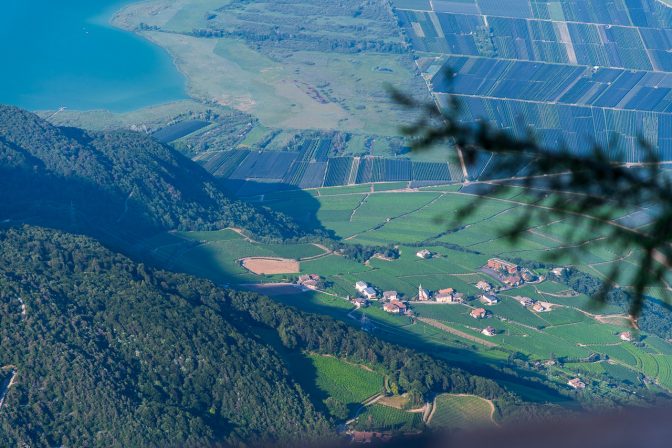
<point>108,353</point>
<point>116,186</point>
<point>112,353</point>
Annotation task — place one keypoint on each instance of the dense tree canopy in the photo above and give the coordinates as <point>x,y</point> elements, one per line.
<point>117,186</point>
<point>110,353</point>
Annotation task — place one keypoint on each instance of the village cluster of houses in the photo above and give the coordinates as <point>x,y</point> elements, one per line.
<point>511,274</point>
<point>576,383</point>
<point>393,304</point>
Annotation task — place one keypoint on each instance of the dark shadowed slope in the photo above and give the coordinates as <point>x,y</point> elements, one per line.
<point>108,353</point>
<point>116,186</point>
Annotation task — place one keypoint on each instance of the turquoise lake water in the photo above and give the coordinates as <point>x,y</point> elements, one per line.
<point>63,53</point>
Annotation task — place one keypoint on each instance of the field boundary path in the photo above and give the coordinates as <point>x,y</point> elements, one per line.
<point>430,406</point>
<point>354,210</point>
<point>428,420</point>
<point>326,252</point>
<point>388,220</point>
<point>368,402</point>
<point>441,326</point>
<point>241,232</point>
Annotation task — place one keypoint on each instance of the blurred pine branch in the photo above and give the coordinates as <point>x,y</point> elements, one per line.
<point>590,189</point>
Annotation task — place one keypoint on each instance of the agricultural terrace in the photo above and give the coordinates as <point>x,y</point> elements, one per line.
<point>410,216</point>
<point>584,339</point>
<point>461,412</point>
<point>384,418</point>
<point>346,382</point>
<point>361,390</point>
<point>576,72</point>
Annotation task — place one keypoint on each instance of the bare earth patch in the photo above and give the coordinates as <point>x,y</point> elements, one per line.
<point>270,265</point>
<point>614,319</point>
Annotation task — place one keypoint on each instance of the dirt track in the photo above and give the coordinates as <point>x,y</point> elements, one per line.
<point>440,326</point>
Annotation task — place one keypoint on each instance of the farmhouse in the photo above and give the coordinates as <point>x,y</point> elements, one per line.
<point>489,331</point>
<point>449,295</point>
<point>390,295</point>
<point>391,308</point>
<point>527,275</point>
<point>576,383</point>
<point>626,336</point>
<point>369,293</point>
<point>400,304</point>
<point>489,299</point>
<point>360,302</point>
<point>525,301</point>
<point>311,284</point>
<point>478,313</point>
<point>395,306</point>
<point>423,294</point>
<point>307,277</point>
<point>497,264</point>
<point>424,254</point>
<point>444,298</point>
<point>557,271</point>
<point>361,286</point>
<point>310,281</point>
<point>512,280</point>
<point>539,308</point>
<point>483,286</point>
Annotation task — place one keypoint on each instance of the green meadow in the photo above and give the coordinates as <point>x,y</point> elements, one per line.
<point>583,336</point>
<point>384,418</point>
<point>346,382</point>
<point>461,412</point>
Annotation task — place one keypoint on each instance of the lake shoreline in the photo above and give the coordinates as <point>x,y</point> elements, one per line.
<point>90,60</point>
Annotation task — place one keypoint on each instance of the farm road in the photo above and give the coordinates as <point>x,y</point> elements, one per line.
<point>436,324</point>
